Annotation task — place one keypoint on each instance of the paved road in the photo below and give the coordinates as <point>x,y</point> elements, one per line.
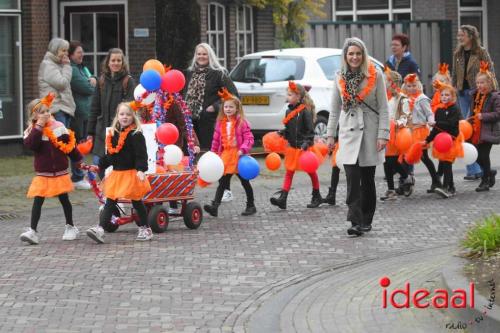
<point>221,277</point>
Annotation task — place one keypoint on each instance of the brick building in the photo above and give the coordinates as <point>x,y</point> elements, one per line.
<point>231,27</point>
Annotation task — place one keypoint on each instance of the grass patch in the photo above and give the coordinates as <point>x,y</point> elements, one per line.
<point>483,238</point>
<point>16,166</point>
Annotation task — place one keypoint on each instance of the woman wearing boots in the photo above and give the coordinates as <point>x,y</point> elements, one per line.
<point>360,109</point>
<point>485,121</point>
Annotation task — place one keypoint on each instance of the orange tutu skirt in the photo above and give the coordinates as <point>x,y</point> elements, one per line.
<point>124,184</point>
<point>230,159</point>
<point>47,187</point>
<point>419,134</point>
<point>390,148</point>
<point>292,156</point>
<point>457,150</point>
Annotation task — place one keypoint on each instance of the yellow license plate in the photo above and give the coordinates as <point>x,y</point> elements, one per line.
<point>255,100</point>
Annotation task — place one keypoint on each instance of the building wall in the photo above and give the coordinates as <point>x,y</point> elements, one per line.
<point>265,30</point>
<point>141,14</point>
<point>493,33</point>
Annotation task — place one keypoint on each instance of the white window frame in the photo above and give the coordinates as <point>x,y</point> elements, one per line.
<point>17,13</point>
<point>246,33</point>
<point>355,12</point>
<point>483,9</point>
<point>217,32</point>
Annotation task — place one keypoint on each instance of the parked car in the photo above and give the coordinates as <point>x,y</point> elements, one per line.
<point>262,79</point>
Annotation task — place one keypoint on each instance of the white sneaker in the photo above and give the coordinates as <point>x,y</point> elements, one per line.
<point>82,185</point>
<point>96,233</point>
<point>70,233</point>
<point>30,236</point>
<point>227,196</point>
<point>144,234</point>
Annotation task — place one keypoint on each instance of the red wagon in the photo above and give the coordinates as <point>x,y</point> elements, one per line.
<point>165,187</point>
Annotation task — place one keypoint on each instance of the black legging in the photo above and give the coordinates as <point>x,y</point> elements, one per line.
<point>447,168</point>
<point>430,166</point>
<point>36,211</point>
<point>111,207</point>
<point>334,181</point>
<point>483,158</point>
<point>224,184</point>
<point>391,167</point>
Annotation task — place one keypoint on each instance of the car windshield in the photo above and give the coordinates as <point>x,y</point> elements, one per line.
<point>330,66</point>
<point>269,69</point>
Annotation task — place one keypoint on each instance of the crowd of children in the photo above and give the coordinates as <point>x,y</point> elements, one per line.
<point>409,109</point>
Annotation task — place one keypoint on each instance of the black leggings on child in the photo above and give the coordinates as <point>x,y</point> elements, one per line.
<point>430,166</point>
<point>391,167</point>
<point>224,184</point>
<point>110,207</point>
<point>447,168</point>
<point>36,211</point>
<point>483,158</point>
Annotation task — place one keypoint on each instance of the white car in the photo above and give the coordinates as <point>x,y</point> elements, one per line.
<point>262,81</point>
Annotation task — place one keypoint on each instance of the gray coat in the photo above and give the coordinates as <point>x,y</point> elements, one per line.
<point>55,77</point>
<point>360,127</point>
<point>490,124</point>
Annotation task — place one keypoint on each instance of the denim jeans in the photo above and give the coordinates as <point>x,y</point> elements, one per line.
<point>76,173</point>
<point>465,100</point>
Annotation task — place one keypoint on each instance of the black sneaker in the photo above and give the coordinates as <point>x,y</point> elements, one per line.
<point>493,173</point>
<point>473,177</point>
<point>366,228</point>
<point>355,230</point>
<point>442,192</point>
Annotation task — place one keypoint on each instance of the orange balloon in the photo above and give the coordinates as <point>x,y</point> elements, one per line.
<point>202,183</point>
<point>403,139</point>
<point>154,65</point>
<point>273,161</point>
<point>160,169</point>
<point>85,147</point>
<point>465,129</point>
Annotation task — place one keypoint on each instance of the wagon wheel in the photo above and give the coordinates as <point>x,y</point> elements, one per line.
<point>108,225</point>
<point>193,215</point>
<point>158,219</point>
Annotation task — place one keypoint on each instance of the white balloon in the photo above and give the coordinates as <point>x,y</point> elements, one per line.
<point>173,155</point>
<point>150,98</point>
<point>210,167</point>
<point>470,153</point>
<point>138,92</point>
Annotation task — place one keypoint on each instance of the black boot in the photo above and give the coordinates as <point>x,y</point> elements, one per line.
<point>491,182</point>
<point>435,184</point>
<point>212,209</point>
<point>330,198</point>
<point>316,199</point>
<point>281,201</point>
<point>484,185</point>
<point>250,210</point>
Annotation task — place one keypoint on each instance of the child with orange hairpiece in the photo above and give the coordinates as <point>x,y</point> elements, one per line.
<point>442,76</point>
<point>422,117</point>
<point>51,143</point>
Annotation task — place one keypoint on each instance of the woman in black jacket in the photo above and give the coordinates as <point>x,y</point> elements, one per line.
<point>115,85</point>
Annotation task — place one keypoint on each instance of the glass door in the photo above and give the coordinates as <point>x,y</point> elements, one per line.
<point>98,28</point>
<point>11,110</point>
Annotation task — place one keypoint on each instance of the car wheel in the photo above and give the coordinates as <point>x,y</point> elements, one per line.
<point>320,127</point>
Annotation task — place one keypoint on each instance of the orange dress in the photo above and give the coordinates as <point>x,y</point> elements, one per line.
<point>125,184</point>
<point>48,187</point>
<point>229,155</point>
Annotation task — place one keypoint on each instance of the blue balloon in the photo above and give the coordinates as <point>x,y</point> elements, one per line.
<point>248,167</point>
<point>150,79</point>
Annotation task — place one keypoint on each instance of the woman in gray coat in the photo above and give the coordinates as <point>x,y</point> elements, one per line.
<point>361,112</point>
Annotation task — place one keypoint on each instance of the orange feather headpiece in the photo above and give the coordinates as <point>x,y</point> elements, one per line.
<point>224,94</point>
<point>438,85</point>
<point>134,105</point>
<point>411,78</point>
<point>443,68</point>
<point>484,67</point>
<point>293,87</point>
<point>47,101</point>
<point>167,68</point>
<point>387,69</point>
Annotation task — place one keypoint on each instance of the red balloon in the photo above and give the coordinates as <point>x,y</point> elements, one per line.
<point>308,162</point>
<point>167,134</point>
<point>443,142</point>
<point>173,81</point>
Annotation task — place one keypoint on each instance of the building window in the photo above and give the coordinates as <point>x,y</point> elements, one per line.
<point>216,31</point>
<point>371,10</point>
<point>244,31</point>
<point>10,5</point>
<point>473,12</point>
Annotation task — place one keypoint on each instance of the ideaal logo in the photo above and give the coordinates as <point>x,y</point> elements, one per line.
<point>440,297</point>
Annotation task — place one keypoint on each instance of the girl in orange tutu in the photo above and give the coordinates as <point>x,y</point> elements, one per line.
<point>51,143</point>
<point>447,117</point>
<point>126,152</point>
<point>299,132</point>
<point>232,138</point>
<point>422,117</point>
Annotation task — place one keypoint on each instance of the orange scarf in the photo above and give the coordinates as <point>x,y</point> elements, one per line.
<point>294,113</point>
<point>412,98</point>
<point>228,139</point>
<point>372,79</point>
<point>121,140</point>
<point>443,106</point>
<point>436,100</point>
<point>62,146</point>
<point>478,108</point>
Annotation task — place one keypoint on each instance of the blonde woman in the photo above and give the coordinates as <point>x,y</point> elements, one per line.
<point>361,112</point>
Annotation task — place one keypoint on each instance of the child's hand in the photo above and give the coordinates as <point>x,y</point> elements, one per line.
<point>240,153</point>
<point>43,119</point>
<point>141,175</point>
<point>197,149</point>
<point>432,123</point>
<point>93,168</point>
